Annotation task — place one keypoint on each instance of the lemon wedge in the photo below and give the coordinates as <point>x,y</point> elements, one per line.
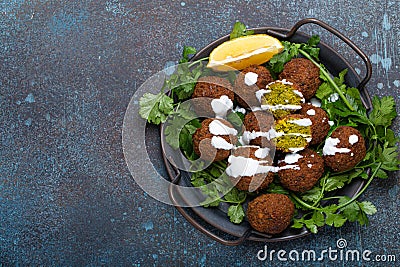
<point>242,52</point>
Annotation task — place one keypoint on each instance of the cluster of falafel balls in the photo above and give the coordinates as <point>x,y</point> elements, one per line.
<point>280,115</point>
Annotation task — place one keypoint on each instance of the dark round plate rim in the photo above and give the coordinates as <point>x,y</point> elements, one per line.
<point>216,217</point>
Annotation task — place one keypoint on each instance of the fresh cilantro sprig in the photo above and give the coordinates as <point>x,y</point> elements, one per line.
<point>382,154</point>
<point>155,108</point>
<point>217,187</point>
<point>179,128</point>
<point>291,50</point>
<point>239,30</point>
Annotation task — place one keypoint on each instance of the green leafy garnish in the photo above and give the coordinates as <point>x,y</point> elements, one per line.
<point>239,29</point>
<point>155,108</point>
<point>320,205</point>
<point>291,50</point>
<point>182,123</point>
<point>217,188</point>
<point>382,156</point>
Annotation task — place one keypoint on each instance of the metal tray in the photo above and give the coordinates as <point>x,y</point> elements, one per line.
<point>213,221</point>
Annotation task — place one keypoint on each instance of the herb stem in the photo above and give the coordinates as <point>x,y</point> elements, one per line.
<point>197,61</point>
<point>328,77</point>
<point>303,203</point>
<point>364,188</point>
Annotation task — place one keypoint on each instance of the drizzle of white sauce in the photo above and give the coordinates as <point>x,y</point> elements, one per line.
<point>302,122</point>
<point>311,112</point>
<point>280,106</point>
<point>333,97</point>
<point>331,123</point>
<point>242,166</point>
<point>315,102</point>
<point>260,93</point>
<point>220,143</point>
<point>353,139</point>
<point>216,127</point>
<point>248,136</point>
<point>221,106</point>
<point>297,92</point>
<point>331,149</point>
<point>250,78</point>
<point>262,152</point>
<point>292,158</point>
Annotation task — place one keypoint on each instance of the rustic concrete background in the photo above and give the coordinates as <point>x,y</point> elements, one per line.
<point>68,70</point>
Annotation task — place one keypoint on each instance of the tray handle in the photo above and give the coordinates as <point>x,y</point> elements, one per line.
<point>174,172</point>
<point>335,32</point>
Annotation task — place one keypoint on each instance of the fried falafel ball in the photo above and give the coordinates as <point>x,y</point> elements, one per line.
<point>299,172</point>
<point>270,213</point>
<point>208,88</point>
<point>249,168</point>
<point>304,73</point>
<point>258,125</point>
<point>248,82</point>
<point>344,149</point>
<point>320,122</point>
<point>292,133</point>
<point>214,140</point>
<point>281,98</point>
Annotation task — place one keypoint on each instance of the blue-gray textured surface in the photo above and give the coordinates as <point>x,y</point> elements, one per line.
<point>68,70</point>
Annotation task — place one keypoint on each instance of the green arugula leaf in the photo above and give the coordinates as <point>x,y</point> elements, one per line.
<point>239,30</point>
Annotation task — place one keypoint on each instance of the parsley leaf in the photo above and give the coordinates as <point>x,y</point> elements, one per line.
<point>155,108</point>
<point>239,30</point>
<point>384,111</point>
<point>187,51</point>
<point>236,213</point>
<point>291,50</point>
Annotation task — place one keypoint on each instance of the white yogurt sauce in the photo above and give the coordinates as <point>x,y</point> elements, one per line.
<point>241,166</point>
<point>280,106</point>
<point>302,122</point>
<point>292,158</point>
<point>250,78</point>
<point>220,143</point>
<point>331,149</point>
<point>260,93</point>
<point>311,112</point>
<point>221,106</point>
<point>333,97</point>
<point>248,136</point>
<point>315,102</point>
<point>262,152</point>
<point>353,139</point>
<point>218,128</point>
